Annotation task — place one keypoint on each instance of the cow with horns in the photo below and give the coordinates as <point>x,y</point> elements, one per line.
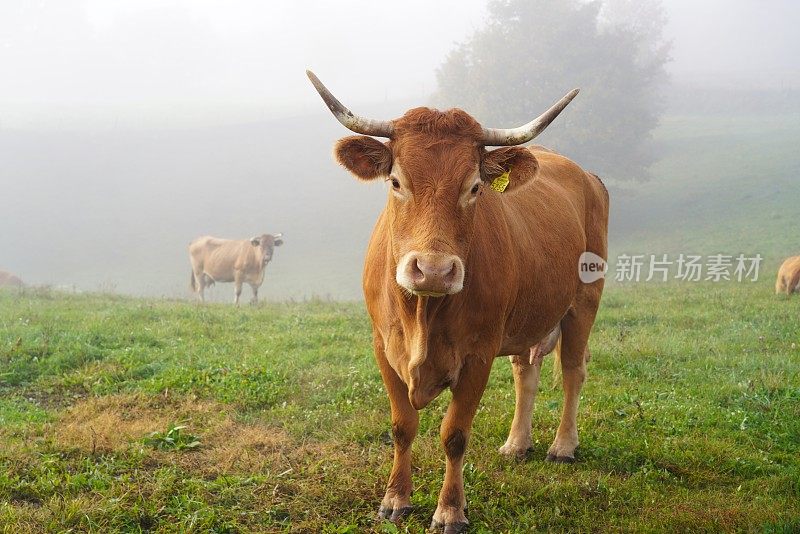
<point>231,260</point>
<point>476,254</point>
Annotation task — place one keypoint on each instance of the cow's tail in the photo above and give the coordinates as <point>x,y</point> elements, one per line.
<point>557,362</point>
<point>193,282</point>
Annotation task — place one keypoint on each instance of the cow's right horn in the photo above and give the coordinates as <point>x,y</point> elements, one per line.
<point>353,122</point>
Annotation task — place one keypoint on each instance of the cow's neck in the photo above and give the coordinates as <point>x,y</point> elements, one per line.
<point>418,340</point>
<point>420,317</point>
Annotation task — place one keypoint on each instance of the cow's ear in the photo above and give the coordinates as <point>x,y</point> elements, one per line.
<point>509,167</point>
<point>278,242</point>
<point>255,241</point>
<point>365,157</point>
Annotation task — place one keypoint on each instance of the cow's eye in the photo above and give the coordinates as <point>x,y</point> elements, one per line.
<point>395,184</point>
<point>474,189</point>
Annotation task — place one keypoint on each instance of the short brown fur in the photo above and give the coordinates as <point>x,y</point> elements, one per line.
<point>788,280</point>
<point>520,249</point>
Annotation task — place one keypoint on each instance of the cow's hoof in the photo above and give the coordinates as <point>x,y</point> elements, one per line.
<point>559,459</point>
<point>449,528</point>
<point>394,515</point>
<point>515,452</point>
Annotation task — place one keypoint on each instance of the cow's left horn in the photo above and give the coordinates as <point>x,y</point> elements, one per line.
<point>353,122</point>
<point>524,133</point>
<point>278,236</point>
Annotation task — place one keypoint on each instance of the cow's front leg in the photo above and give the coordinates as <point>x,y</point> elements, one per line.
<point>254,300</point>
<point>456,427</point>
<point>396,503</point>
<point>237,287</point>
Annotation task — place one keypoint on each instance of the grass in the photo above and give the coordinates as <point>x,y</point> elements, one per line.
<point>173,439</point>
<point>690,419</point>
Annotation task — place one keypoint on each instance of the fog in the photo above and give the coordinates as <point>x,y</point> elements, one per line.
<point>127,128</point>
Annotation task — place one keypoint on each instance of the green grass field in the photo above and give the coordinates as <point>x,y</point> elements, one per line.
<point>690,419</point>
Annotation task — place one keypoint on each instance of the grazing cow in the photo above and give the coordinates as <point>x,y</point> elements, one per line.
<point>228,260</point>
<point>10,280</point>
<point>475,255</point>
<point>789,276</point>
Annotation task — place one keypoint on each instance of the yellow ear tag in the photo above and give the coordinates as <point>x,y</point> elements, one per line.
<point>500,183</point>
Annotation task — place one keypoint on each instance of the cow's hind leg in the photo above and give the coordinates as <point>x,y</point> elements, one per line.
<point>575,329</point>
<point>527,368</point>
<point>199,284</point>
<point>526,384</point>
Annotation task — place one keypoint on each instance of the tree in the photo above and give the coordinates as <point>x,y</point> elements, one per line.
<point>531,52</point>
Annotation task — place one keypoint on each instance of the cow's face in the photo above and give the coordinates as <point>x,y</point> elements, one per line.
<point>437,173</point>
<point>265,246</point>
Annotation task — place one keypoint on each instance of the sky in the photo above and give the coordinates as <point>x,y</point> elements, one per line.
<point>213,60</point>
<point>138,63</point>
<point>716,42</point>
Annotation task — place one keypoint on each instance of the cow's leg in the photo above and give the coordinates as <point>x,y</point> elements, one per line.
<point>455,431</point>
<point>254,300</point>
<point>200,280</point>
<point>781,286</point>
<point>526,384</point>
<point>575,329</point>
<point>526,369</point>
<point>237,287</point>
<point>396,503</point>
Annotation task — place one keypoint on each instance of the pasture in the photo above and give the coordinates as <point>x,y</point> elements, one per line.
<point>690,419</point>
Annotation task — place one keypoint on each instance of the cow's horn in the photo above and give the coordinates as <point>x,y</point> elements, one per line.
<point>524,133</point>
<point>353,122</point>
<point>278,236</point>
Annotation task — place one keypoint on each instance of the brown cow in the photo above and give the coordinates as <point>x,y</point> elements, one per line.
<point>10,280</point>
<point>227,260</point>
<point>458,273</point>
<point>789,276</point>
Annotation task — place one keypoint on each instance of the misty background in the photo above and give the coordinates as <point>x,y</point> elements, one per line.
<point>128,128</point>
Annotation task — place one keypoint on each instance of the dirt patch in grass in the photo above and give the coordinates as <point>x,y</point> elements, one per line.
<point>114,423</point>
<point>291,476</point>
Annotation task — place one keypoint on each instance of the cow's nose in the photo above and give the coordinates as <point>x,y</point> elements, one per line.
<point>431,273</point>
